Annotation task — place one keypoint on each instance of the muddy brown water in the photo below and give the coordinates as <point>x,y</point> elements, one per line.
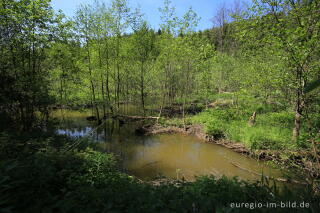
<point>170,155</point>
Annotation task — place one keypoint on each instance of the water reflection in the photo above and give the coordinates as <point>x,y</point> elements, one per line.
<point>170,155</point>
<point>75,132</point>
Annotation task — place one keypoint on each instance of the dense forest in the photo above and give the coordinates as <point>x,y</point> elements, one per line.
<point>252,79</point>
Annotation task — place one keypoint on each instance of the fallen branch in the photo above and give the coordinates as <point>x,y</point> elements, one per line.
<point>149,164</point>
<point>258,174</point>
<point>137,117</point>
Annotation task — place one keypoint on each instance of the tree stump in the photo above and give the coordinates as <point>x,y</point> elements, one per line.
<point>252,119</point>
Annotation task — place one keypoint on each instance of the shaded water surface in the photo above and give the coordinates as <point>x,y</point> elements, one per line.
<point>170,155</point>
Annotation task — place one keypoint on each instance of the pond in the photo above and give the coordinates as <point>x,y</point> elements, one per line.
<point>170,155</point>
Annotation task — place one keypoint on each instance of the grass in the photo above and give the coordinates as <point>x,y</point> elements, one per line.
<point>272,130</point>
<point>40,176</point>
<point>229,120</point>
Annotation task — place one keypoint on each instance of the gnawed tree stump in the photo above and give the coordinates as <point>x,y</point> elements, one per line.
<point>252,119</point>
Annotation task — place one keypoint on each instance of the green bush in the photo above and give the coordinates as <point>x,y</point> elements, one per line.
<point>215,129</point>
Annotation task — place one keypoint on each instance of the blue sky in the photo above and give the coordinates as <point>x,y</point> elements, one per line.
<point>204,8</point>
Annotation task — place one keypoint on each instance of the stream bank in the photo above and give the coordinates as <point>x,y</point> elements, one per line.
<point>176,155</point>
<point>295,158</point>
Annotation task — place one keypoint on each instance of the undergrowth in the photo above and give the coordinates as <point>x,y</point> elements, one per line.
<point>40,175</point>
<point>228,119</point>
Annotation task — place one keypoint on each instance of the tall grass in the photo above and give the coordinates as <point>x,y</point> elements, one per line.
<point>272,130</point>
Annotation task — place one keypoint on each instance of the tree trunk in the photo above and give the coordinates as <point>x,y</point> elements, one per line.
<point>252,119</point>
<point>297,122</point>
<point>142,87</point>
<point>92,85</point>
<point>300,104</point>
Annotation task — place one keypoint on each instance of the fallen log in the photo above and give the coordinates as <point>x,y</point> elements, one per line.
<point>149,164</point>
<point>137,117</point>
<point>258,174</point>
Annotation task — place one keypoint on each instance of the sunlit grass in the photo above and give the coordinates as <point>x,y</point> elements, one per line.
<point>271,131</point>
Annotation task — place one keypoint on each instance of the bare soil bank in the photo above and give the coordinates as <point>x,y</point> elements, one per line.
<point>295,159</point>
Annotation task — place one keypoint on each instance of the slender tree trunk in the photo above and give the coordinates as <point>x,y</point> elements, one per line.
<point>92,85</point>
<point>118,73</point>
<point>183,113</point>
<point>142,87</point>
<point>185,93</point>
<point>118,85</point>
<point>300,105</point>
<point>107,82</point>
<point>102,83</point>
<point>61,91</point>
<point>297,124</point>
<point>297,118</point>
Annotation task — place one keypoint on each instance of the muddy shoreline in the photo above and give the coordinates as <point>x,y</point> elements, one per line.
<point>297,158</point>
<point>198,131</point>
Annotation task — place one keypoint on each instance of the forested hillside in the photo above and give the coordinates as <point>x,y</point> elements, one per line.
<point>252,79</point>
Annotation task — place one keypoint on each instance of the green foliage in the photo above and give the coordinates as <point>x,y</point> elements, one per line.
<point>25,34</point>
<point>262,61</point>
<point>271,131</point>
<point>50,180</point>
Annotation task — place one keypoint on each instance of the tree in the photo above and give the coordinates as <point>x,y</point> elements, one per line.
<point>120,13</point>
<point>85,23</point>
<point>291,30</point>
<point>26,31</point>
<point>143,50</point>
